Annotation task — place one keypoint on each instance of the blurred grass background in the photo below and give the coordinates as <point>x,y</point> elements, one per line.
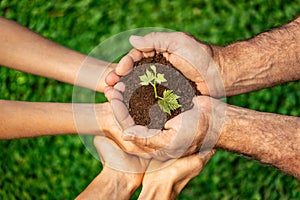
<point>61,167</point>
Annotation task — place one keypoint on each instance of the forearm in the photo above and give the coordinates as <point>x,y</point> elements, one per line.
<point>109,184</point>
<point>26,51</point>
<point>32,119</point>
<point>269,59</point>
<point>270,138</point>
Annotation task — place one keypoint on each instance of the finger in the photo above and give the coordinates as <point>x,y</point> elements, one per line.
<point>151,138</point>
<point>126,63</point>
<point>121,113</point>
<point>112,78</point>
<point>175,123</point>
<point>120,86</point>
<point>150,42</point>
<point>111,93</point>
<point>119,108</point>
<point>148,54</point>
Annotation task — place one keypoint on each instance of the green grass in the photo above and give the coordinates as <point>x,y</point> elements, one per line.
<point>61,167</point>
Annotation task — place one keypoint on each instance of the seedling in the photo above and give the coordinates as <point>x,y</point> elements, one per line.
<point>169,100</point>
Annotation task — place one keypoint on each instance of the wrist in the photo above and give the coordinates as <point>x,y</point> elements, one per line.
<point>93,118</point>
<point>230,137</point>
<point>156,190</point>
<point>221,73</point>
<point>236,61</point>
<point>120,183</point>
<point>109,184</point>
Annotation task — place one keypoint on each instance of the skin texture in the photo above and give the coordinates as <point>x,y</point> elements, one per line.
<point>270,138</point>
<point>58,118</point>
<point>193,58</point>
<point>182,135</point>
<point>269,59</point>
<point>64,64</point>
<point>47,58</point>
<point>167,182</point>
<point>112,182</point>
<point>161,180</point>
<point>52,60</point>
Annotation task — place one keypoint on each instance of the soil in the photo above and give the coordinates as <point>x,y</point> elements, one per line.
<point>140,100</point>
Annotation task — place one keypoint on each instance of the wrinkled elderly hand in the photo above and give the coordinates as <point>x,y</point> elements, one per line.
<point>197,61</point>
<point>168,178</point>
<point>191,131</point>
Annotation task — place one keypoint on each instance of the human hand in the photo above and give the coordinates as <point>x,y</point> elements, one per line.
<point>164,180</point>
<point>122,173</point>
<point>197,61</point>
<point>198,128</point>
<point>99,119</point>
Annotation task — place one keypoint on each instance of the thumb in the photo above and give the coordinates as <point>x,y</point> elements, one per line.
<point>159,41</point>
<point>150,138</point>
<point>141,43</point>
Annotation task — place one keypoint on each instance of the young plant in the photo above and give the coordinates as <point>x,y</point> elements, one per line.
<point>169,100</point>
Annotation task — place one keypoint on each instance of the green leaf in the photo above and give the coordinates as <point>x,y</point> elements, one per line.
<point>150,75</point>
<point>160,78</point>
<point>147,78</point>
<point>164,106</point>
<point>153,68</point>
<point>169,101</point>
<point>144,80</point>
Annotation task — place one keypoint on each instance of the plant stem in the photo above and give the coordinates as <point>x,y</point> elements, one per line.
<point>155,91</point>
<point>154,88</point>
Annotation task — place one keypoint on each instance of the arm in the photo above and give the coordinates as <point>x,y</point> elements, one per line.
<point>31,119</point>
<point>269,59</point>
<point>122,173</point>
<point>109,184</point>
<point>26,51</point>
<point>270,138</point>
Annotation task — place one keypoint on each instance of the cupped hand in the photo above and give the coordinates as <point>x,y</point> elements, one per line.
<point>121,175</point>
<point>196,60</point>
<point>165,180</point>
<point>185,134</point>
<point>113,157</point>
<point>108,125</point>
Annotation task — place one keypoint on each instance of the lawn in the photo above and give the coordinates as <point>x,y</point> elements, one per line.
<point>61,167</point>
